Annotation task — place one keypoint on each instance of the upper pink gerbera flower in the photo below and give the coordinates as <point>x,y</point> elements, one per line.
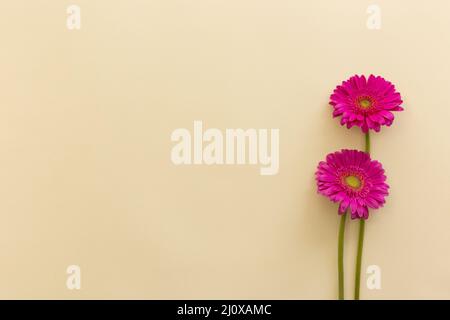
<point>351,178</point>
<point>367,104</point>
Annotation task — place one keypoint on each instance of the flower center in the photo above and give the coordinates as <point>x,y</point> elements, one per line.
<point>365,103</point>
<point>353,181</point>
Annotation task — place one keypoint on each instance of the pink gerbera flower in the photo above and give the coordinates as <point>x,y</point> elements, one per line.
<point>367,104</point>
<point>351,178</point>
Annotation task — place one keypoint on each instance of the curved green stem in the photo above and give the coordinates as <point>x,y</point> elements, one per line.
<point>341,256</point>
<point>367,142</point>
<point>362,223</point>
<point>359,257</point>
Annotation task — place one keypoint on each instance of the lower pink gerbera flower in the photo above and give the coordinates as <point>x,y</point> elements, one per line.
<point>366,103</point>
<point>351,178</point>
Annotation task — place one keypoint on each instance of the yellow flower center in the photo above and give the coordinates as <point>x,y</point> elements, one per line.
<point>353,181</point>
<point>365,103</point>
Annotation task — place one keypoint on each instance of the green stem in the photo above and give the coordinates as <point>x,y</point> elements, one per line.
<point>362,223</point>
<point>341,256</point>
<point>367,142</point>
<point>359,257</point>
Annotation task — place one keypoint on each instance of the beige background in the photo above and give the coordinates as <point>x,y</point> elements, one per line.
<point>86,176</point>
